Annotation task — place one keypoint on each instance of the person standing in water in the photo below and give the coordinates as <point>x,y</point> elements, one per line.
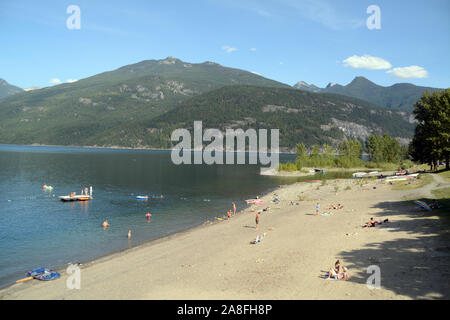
<point>129,234</point>
<point>234,208</point>
<point>148,215</point>
<point>105,224</point>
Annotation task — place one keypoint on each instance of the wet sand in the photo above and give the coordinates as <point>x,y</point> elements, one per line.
<point>218,261</point>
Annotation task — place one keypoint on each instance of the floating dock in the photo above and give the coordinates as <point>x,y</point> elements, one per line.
<point>75,198</point>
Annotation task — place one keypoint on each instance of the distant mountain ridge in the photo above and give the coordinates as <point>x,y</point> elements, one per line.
<point>7,89</point>
<point>72,113</point>
<point>400,96</point>
<point>301,116</point>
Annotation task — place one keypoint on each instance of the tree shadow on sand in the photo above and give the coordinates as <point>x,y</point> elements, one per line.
<point>415,267</point>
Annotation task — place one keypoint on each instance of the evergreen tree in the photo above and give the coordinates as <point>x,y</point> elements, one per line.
<point>431,141</point>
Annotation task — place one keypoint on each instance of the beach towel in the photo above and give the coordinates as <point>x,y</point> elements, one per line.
<point>326,214</point>
<point>423,205</point>
<point>331,278</point>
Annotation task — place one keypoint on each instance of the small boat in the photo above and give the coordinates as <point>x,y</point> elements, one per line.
<point>359,175</point>
<point>252,200</point>
<point>43,274</point>
<point>37,272</point>
<point>142,197</point>
<point>75,198</point>
<point>48,275</point>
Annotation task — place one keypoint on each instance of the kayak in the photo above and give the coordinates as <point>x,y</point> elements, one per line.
<point>142,197</point>
<point>252,200</point>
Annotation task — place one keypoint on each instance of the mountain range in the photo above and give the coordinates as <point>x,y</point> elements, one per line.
<point>400,96</point>
<point>136,105</point>
<point>7,89</point>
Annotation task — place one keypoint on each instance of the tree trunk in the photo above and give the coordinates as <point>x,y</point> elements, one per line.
<point>447,161</point>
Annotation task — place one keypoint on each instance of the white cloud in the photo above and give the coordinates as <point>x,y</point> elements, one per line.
<point>55,81</point>
<point>71,80</point>
<point>252,49</point>
<point>228,49</point>
<point>409,72</point>
<point>367,62</point>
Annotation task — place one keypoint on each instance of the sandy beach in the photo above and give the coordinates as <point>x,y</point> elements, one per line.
<point>217,260</point>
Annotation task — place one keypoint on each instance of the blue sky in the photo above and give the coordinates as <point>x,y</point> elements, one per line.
<point>316,41</point>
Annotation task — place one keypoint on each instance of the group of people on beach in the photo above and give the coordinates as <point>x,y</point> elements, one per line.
<point>231,213</point>
<point>339,272</point>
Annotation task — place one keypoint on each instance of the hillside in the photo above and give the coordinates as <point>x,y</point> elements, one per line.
<point>400,96</point>
<point>72,113</point>
<point>7,89</point>
<point>301,116</point>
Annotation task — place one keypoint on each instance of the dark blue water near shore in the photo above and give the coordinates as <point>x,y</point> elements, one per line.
<point>37,229</point>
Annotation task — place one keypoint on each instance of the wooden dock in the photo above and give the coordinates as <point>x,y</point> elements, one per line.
<point>76,198</point>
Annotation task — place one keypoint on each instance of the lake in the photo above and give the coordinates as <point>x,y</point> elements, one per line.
<point>37,229</point>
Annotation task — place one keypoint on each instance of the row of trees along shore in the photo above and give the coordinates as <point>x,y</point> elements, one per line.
<point>430,145</point>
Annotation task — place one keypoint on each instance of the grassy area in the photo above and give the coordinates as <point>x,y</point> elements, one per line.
<point>421,181</point>
<point>445,175</point>
<point>443,193</point>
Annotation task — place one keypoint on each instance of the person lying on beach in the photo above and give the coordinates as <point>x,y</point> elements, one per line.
<point>258,238</point>
<point>335,207</point>
<point>434,205</point>
<point>373,223</point>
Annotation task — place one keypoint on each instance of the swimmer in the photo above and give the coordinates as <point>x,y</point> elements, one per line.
<point>148,215</point>
<point>105,224</point>
<point>129,234</point>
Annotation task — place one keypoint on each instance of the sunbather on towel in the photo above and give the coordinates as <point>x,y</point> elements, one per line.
<point>373,223</point>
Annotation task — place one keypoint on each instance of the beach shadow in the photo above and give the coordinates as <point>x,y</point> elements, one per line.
<point>250,227</point>
<point>416,267</point>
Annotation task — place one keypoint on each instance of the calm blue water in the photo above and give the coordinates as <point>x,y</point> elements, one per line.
<point>37,229</point>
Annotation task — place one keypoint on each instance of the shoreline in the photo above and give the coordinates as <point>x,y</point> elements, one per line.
<point>106,257</point>
<point>123,148</point>
<point>215,260</point>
